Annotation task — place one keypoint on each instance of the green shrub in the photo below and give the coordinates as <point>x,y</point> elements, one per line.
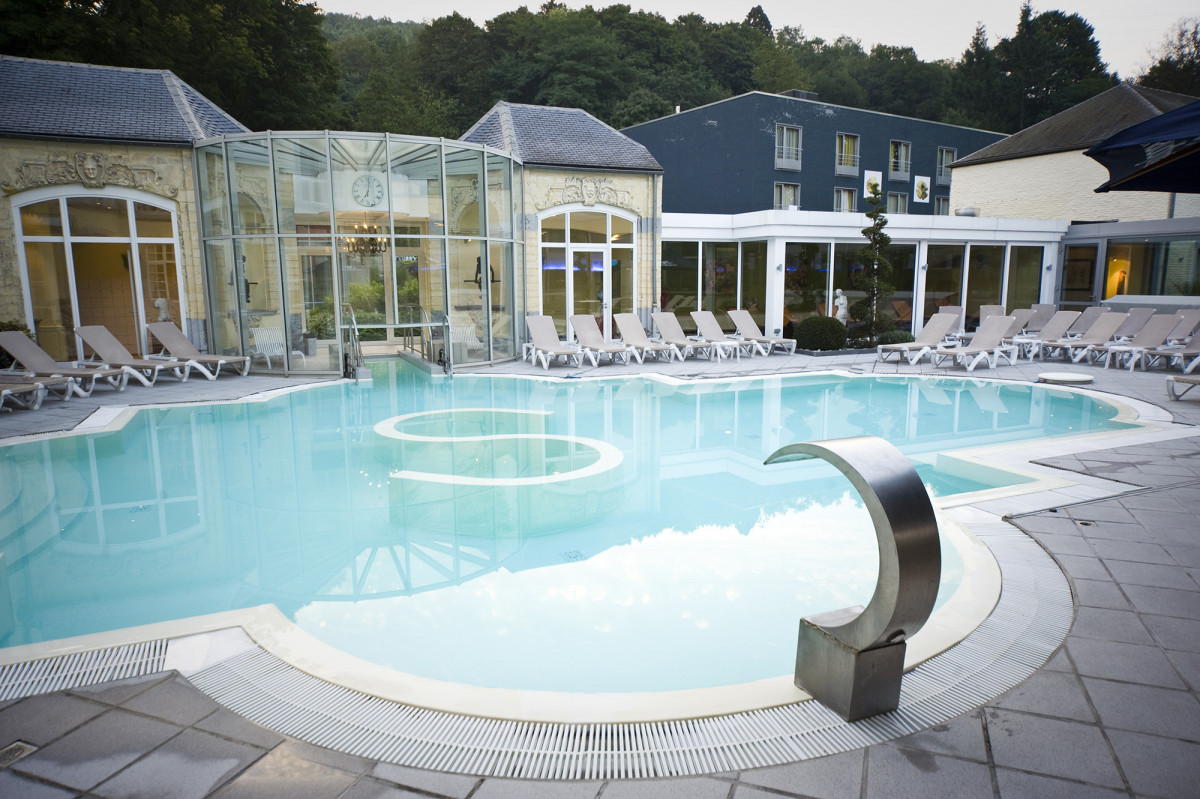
<point>896,337</point>
<point>320,321</point>
<point>820,333</point>
<point>5,359</point>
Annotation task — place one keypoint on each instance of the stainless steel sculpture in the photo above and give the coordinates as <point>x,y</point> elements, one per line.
<point>851,660</point>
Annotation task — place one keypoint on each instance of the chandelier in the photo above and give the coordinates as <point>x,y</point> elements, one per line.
<point>366,240</point>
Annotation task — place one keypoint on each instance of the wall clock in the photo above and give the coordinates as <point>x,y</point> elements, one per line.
<point>367,190</point>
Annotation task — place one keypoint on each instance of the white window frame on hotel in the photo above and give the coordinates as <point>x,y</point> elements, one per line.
<point>945,157</point>
<point>845,201</point>
<point>845,161</point>
<point>899,160</point>
<point>788,141</point>
<point>941,206</point>
<point>787,196</point>
<point>897,202</point>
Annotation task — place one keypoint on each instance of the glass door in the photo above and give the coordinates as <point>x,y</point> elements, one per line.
<point>588,283</point>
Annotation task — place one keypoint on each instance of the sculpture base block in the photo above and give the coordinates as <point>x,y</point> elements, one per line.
<point>852,683</point>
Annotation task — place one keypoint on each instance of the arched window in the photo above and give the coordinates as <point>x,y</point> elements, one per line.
<point>588,266</point>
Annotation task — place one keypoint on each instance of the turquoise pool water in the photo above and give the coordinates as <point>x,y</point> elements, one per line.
<point>615,535</point>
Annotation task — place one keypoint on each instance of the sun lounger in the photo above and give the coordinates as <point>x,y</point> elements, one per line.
<point>112,353</point>
<point>546,344</point>
<point>986,345</point>
<point>634,336</point>
<point>1085,320</point>
<point>1191,381</point>
<point>1042,313</point>
<point>1187,358</point>
<point>936,329</point>
<point>1100,332</point>
<point>670,332</point>
<point>591,340</point>
<point>26,391</point>
<point>38,362</point>
<point>708,327</point>
<point>267,343</point>
<point>1021,317</point>
<point>1135,320</point>
<point>1189,320</point>
<point>179,346</point>
<point>1051,332</point>
<point>1153,334</point>
<point>749,330</point>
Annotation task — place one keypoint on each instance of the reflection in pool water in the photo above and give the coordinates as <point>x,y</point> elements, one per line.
<point>684,539</point>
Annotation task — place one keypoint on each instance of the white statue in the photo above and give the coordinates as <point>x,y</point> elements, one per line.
<point>840,303</point>
<point>164,309</point>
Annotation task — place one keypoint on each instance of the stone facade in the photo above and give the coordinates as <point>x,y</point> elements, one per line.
<point>1057,186</point>
<point>164,172</point>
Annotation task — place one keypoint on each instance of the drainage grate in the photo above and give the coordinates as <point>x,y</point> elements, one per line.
<point>1029,622</point>
<point>14,752</point>
<point>82,668</point>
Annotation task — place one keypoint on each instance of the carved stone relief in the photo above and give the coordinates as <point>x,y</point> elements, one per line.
<point>93,170</point>
<point>589,191</point>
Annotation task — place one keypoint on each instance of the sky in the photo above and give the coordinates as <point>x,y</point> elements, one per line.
<point>1126,30</point>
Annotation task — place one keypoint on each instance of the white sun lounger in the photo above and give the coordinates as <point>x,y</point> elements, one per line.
<point>37,361</point>
<point>1153,334</point>
<point>986,345</point>
<point>546,344</point>
<point>28,392</point>
<point>179,346</point>
<point>723,344</point>
<point>670,332</point>
<point>1191,381</point>
<point>112,353</point>
<point>591,340</point>
<point>634,336</point>
<point>936,329</point>
<point>1101,332</point>
<point>749,330</point>
<point>1055,329</point>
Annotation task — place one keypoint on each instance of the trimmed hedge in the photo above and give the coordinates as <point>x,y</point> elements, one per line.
<point>820,333</point>
<point>895,337</point>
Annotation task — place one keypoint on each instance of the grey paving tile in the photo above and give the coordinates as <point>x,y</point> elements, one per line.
<point>1117,531</point>
<point>1053,747</point>
<point>118,691</point>
<point>1157,766</point>
<point>1152,574</point>
<point>1082,567</point>
<point>911,774</point>
<point>1184,555</point>
<point>678,788</point>
<point>1065,544</point>
<point>961,736</point>
<point>1018,785</point>
<point>1116,661</point>
<point>1059,662</point>
<point>456,785</point>
<point>230,725</point>
<point>97,750</point>
<point>1048,693</point>
<point>1188,665</point>
<point>189,766</point>
<point>1174,633</point>
<point>41,719</point>
<point>1110,625</point>
<point>175,700</point>
<point>21,787</point>
<point>283,775</point>
<point>367,788</point>
<point>524,789</point>
<point>1102,512</point>
<point>351,764</point>
<point>1144,708</point>
<point>824,777</point>
<point>1134,551</point>
<point>1164,601</point>
<point>1099,594</point>
<point>1049,523</point>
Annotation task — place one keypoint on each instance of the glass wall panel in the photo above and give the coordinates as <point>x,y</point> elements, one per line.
<point>984,280</point>
<point>222,283</point>
<point>805,269</point>
<point>1167,267</point>
<point>554,229</point>
<point>42,219</point>
<point>720,275</point>
<point>587,283</point>
<point>361,275</point>
<point>1079,276</point>
<point>680,275</point>
<point>253,198</point>
<point>160,283</point>
<point>622,230</point>
<point>261,312</point>
<point>308,278</point>
<point>499,193</point>
<point>152,222</point>
<point>554,286</point>
<point>847,266</point>
<point>469,328</point>
<point>431,292</point>
<point>754,279</point>
<point>302,185</point>
<point>1024,277</point>
<point>903,258</point>
<point>416,177</point>
<point>50,294</point>
<point>98,216</point>
<point>214,191</point>
<point>589,228</point>
<point>360,197</point>
<point>500,292</point>
<point>464,176</point>
<point>104,287</point>
<point>943,278</point>
<point>623,288</point>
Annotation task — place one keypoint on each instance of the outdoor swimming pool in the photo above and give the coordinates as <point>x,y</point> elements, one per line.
<point>603,535</point>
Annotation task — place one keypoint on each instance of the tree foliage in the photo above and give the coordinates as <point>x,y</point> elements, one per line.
<point>875,277</point>
<point>1176,67</point>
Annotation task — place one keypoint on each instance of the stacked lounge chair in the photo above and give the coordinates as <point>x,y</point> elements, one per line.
<point>1085,320</point>
<point>1042,313</point>
<point>634,336</point>
<point>37,361</point>
<point>749,330</point>
<point>179,346</point>
<point>591,341</point>
<point>1051,332</point>
<point>112,353</point>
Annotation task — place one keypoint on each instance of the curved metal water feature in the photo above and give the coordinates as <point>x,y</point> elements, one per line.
<point>852,659</point>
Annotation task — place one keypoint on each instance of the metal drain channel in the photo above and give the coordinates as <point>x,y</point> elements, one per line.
<point>82,668</point>
<point>1029,622</point>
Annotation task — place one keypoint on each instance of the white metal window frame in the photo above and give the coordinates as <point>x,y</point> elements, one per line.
<point>945,157</point>
<point>781,200</point>
<point>899,160</point>
<point>788,155</point>
<point>897,202</point>
<point>941,206</point>
<point>845,201</point>
<point>845,158</point>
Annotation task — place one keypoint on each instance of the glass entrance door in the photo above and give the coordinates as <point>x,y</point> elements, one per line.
<point>589,287</point>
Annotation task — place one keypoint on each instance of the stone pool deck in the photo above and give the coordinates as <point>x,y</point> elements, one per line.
<point>1115,712</point>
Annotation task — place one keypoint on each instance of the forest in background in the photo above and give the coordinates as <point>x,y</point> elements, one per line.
<point>286,65</point>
